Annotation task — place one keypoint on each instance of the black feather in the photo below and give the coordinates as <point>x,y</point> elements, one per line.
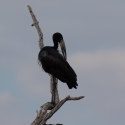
<point>54,63</point>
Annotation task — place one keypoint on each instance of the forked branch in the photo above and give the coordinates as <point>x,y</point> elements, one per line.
<point>43,116</point>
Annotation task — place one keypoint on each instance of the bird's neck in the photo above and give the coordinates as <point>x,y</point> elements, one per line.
<point>55,45</point>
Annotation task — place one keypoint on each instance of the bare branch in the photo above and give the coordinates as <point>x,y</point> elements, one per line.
<point>36,24</point>
<point>52,80</point>
<point>76,98</point>
<point>60,104</point>
<point>43,116</point>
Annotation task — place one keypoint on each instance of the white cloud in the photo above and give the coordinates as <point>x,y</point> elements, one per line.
<point>92,60</point>
<point>101,77</point>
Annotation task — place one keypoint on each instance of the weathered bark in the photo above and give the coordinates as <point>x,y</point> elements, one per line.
<point>54,89</point>
<point>43,116</point>
<point>36,24</point>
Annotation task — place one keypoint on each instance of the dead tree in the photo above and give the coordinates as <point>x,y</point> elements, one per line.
<point>42,115</point>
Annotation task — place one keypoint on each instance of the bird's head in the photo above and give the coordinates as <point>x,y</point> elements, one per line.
<point>57,37</point>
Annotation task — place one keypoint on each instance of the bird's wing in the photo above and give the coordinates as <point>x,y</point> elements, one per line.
<point>55,64</point>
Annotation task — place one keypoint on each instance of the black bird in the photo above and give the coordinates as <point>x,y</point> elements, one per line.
<point>55,64</point>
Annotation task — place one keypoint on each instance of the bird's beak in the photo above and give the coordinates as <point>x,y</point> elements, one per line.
<point>63,48</point>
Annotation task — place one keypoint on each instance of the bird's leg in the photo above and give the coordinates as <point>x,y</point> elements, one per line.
<point>53,91</point>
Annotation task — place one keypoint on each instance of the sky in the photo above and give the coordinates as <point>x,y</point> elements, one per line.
<point>94,34</point>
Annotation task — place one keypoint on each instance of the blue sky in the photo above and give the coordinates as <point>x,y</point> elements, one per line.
<point>94,33</point>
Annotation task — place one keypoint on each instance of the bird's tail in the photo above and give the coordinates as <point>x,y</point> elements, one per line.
<point>72,85</point>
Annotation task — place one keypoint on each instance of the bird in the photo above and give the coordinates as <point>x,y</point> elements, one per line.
<point>55,64</point>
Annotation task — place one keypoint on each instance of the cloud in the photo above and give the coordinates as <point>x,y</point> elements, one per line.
<point>101,79</point>
<point>92,60</point>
